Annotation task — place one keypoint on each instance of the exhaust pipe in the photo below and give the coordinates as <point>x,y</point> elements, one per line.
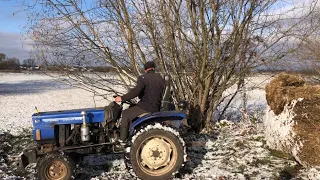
<point>85,132</point>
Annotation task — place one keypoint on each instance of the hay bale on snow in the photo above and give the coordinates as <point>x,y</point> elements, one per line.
<point>292,122</point>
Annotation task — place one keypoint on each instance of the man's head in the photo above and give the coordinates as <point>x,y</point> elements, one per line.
<point>150,65</point>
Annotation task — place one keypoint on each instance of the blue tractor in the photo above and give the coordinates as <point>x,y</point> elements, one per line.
<point>154,150</point>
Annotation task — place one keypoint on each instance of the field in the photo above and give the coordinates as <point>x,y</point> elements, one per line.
<point>237,151</point>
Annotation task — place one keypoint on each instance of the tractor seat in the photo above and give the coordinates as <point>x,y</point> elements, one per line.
<point>143,114</point>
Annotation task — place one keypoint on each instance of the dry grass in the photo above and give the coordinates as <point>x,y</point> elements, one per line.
<point>287,87</point>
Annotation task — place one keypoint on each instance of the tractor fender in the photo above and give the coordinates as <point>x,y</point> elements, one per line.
<point>173,118</point>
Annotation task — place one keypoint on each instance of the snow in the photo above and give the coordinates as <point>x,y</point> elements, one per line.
<point>233,156</point>
<point>233,151</point>
<point>158,126</point>
<point>279,129</point>
<point>256,98</point>
<point>20,93</point>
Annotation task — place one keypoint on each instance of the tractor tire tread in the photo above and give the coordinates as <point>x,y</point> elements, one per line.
<point>142,129</point>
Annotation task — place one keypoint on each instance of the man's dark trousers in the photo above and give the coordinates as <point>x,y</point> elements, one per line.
<point>127,116</point>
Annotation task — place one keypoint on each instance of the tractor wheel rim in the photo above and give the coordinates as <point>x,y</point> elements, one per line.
<point>157,155</point>
<point>56,170</point>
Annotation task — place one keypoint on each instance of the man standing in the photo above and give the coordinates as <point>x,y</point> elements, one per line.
<point>150,87</point>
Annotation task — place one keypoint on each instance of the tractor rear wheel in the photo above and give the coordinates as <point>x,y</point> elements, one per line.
<point>157,152</point>
<point>55,166</point>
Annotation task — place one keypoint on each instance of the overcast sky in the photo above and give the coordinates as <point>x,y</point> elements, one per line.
<point>12,43</point>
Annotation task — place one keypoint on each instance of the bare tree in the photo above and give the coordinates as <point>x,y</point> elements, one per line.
<point>10,63</point>
<point>205,46</point>
<point>29,63</point>
<point>2,57</point>
<point>302,45</point>
<point>307,53</point>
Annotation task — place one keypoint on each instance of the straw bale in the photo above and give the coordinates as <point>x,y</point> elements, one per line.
<point>293,120</point>
<point>278,87</point>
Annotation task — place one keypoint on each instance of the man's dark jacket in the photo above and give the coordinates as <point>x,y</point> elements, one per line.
<point>149,89</point>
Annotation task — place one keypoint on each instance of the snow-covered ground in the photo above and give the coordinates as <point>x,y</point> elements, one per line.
<point>236,151</point>
<point>20,93</point>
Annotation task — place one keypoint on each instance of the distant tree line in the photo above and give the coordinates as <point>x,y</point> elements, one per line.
<point>9,63</point>
<point>12,63</point>
<point>29,63</point>
<point>69,68</point>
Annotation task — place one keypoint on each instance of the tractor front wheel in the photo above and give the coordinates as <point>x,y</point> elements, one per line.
<point>157,152</point>
<point>55,166</point>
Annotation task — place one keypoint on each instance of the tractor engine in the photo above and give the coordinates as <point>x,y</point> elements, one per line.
<point>74,128</point>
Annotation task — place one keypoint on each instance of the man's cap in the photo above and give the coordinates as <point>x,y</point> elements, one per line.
<point>149,64</point>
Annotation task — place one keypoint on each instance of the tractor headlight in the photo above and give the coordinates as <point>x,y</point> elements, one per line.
<point>182,105</point>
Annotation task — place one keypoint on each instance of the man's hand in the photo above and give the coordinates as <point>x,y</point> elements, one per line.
<point>118,99</point>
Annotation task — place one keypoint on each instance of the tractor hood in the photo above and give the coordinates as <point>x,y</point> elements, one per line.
<point>74,116</point>
<point>45,122</point>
